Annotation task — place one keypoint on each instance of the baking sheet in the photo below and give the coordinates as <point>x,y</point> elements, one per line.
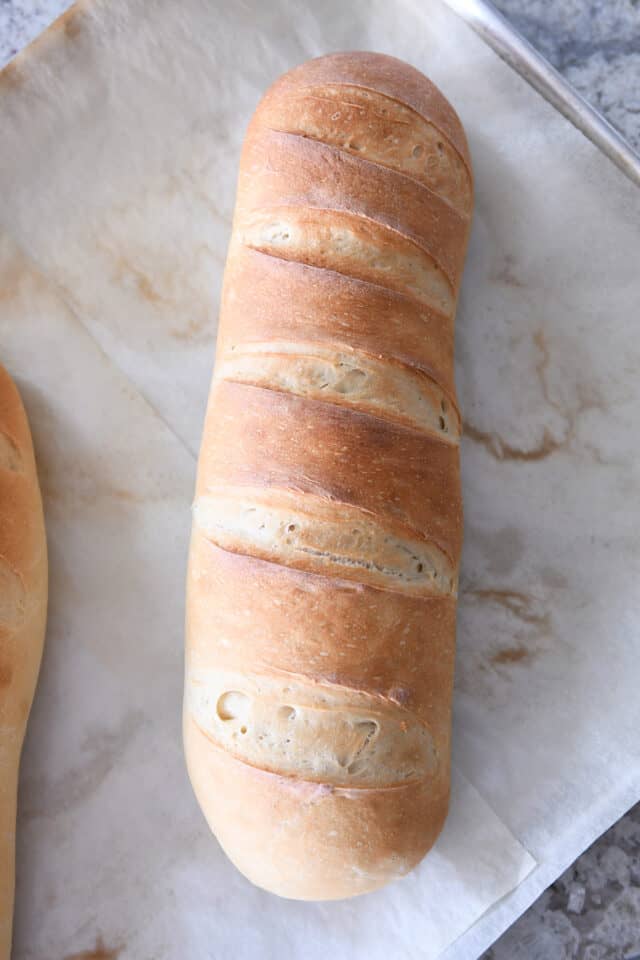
<point>515,50</point>
<point>120,136</point>
<point>112,847</point>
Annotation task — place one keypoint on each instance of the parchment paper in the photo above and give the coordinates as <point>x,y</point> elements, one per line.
<point>119,140</point>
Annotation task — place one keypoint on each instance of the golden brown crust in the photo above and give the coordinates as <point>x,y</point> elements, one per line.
<point>280,169</point>
<point>339,632</point>
<point>285,300</point>
<point>383,74</point>
<point>23,600</point>
<point>340,455</point>
<point>377,128</point>
<point>351,245</point>
<point>328,517</point>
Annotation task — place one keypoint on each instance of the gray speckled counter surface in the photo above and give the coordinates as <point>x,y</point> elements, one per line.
<point>595,44</point>
<point>593,911</point>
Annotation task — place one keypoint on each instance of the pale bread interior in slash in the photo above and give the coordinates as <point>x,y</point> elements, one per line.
<point>400,393</point>
<point>348,543</point>
<point>314,731</point>
<point>352,245</point>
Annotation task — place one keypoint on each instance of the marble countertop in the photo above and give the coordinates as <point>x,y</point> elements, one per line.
<point>593,911</point>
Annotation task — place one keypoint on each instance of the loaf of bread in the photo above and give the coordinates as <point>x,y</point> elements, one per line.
<point>327,520</point>
<point>23,607</point>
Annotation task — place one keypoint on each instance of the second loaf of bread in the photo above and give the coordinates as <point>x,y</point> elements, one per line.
<point>327,520</point>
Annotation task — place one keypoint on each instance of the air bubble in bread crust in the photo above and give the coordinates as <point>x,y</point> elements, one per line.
<point>339,736</point>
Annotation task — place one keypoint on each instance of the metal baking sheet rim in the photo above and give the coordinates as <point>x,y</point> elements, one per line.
<point>519,54</point>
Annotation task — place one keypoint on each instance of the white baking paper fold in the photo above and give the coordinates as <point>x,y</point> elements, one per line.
<point>119,139</point>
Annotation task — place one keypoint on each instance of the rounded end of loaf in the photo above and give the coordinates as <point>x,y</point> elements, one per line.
<point>309,841</point>
<point>377,73</point>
